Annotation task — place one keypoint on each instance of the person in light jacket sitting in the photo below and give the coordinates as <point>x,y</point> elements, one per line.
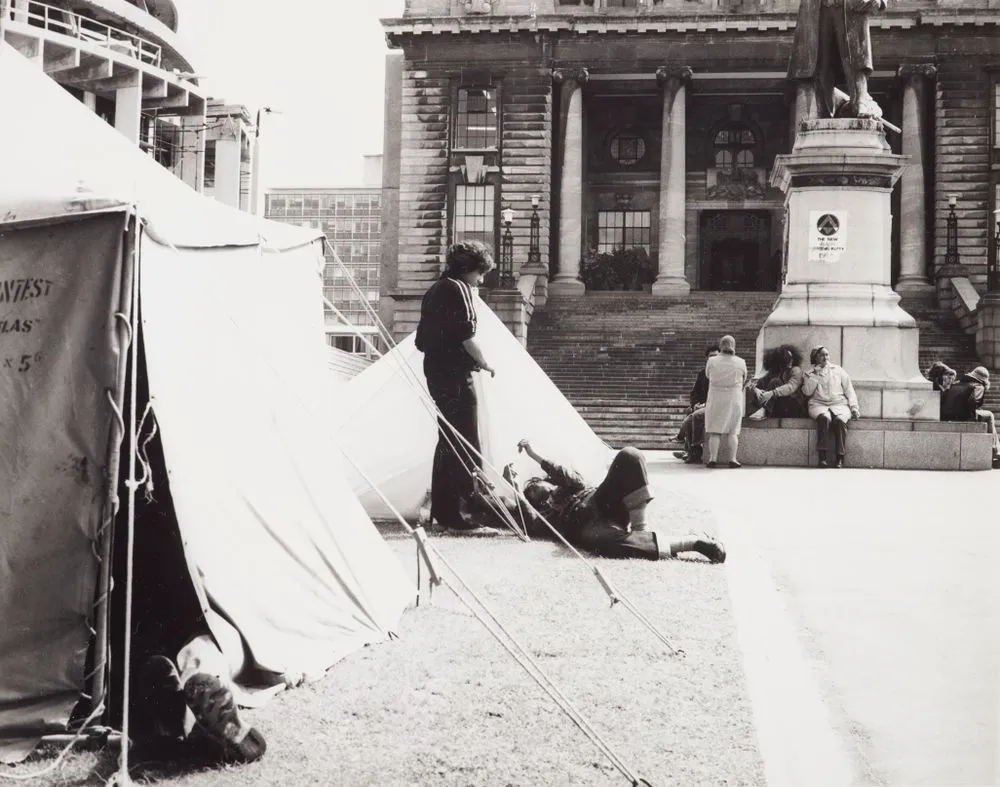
<point>832,401</point>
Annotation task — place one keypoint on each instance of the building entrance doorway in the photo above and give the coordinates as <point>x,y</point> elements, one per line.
<point>736,251</point>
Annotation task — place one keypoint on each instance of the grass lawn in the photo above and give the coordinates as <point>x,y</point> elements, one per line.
<point>445,705</point>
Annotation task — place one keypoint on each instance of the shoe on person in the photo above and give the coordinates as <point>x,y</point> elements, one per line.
<point>214,708</point>
<point>710,548</point>
<point>682,455</point>
<point>758,415</point>
<point>735,465</point>
<point>840,462</point>
<point>161,701</point>
<point>712,465</point>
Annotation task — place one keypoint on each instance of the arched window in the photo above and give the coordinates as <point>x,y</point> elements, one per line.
<point>733,147</point>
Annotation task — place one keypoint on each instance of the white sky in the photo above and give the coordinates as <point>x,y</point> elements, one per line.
<point>321,63</point>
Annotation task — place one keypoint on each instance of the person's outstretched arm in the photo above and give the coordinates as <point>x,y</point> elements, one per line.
<point>562,476</point>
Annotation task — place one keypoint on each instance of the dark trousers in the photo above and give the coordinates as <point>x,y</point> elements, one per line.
<point>603,539</point>
<point>692,431</point>
<point>823,434</point>
<point>451,476</point>
<point>625,487</point>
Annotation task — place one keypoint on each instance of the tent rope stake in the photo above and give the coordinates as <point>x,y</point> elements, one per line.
<point>492,624</point>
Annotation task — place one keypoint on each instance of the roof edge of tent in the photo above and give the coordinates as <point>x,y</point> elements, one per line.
<point>44,218</point>
<point>261,241</point>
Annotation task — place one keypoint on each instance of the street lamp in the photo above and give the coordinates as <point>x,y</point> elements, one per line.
<point>951,251</point>
<point>534,252</point>
<point>255,175</point>
<point>992,272</point>
<point>506,277</point>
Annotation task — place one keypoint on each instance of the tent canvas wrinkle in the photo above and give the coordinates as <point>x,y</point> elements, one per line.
<point>390,398</point>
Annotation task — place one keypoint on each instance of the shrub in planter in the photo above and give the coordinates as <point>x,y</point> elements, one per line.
<point>622,269</point>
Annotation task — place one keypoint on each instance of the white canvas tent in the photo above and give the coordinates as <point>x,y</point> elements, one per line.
<point>386,429</point>
<point>234,359</point>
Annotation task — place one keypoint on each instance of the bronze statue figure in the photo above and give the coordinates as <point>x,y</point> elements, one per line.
<point>832,46</point>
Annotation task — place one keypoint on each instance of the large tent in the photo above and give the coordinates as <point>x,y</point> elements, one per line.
<point>387,426</point>
<point>100,245</point>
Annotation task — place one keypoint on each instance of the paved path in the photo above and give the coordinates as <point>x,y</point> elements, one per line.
<point>868,603</point>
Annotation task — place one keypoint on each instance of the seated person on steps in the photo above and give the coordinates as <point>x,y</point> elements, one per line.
<point>777,393</point>
<point>832,402</point>
<point>692,431</point>
<point>942,375</point>
<point>608,520</point>
<point>964,401</point>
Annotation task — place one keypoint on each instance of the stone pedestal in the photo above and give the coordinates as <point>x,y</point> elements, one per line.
<point>837,182</point>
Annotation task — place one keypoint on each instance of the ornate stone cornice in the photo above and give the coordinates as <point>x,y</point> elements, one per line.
<point>578,75</point>
<point>673,76</point>
<point>925,70</point>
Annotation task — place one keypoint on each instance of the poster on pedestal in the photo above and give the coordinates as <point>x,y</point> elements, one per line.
<point>827,235</point>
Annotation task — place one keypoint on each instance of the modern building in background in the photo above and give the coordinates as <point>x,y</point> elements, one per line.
<point>351,217</point>
<point>124,60</point>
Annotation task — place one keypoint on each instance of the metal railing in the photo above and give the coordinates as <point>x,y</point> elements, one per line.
<point>84,29</point>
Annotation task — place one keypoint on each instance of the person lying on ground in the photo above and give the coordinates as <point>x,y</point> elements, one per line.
<point>777,393</point>
<point>692,431</point>
<point>191,701</point>
<point>607,520</point>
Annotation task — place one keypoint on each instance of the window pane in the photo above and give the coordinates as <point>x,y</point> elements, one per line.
<point>744,159</point>
<point>475,214</point>
<point>476,124</point>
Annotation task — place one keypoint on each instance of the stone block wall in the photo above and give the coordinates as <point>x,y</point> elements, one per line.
<point>425,177</point>
<point>963,106</point>
<point>526,130</point>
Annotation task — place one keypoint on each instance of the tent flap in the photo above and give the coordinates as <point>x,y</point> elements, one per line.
<point>58,357</point>
<point>237,375</point>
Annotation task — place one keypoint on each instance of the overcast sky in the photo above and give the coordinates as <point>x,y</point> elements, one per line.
<point>321,63</point>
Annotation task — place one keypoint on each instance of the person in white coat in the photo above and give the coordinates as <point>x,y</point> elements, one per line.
<point>832,401</point>
<point>727,376</point>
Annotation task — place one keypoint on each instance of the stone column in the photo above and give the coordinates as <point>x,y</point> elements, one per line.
<point>670,279</point>
<point>913,281</point>
<point>567,280</point>
<point>128,109</point>
<point>227,169</point>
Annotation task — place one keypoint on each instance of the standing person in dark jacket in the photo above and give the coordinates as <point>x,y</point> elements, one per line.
<point>446,335</point>
<point>963,401</point>
<point>608,520</point>
<point>692,431</point>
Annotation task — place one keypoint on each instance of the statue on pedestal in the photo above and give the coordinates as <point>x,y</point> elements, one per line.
<point>832,46</point>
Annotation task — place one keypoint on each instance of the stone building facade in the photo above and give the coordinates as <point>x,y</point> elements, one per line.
<point>655,123</point>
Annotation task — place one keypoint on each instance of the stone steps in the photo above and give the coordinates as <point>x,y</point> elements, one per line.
<point>627,361</point>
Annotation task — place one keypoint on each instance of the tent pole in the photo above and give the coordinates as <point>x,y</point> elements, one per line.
<point>123,776</point>
<point>124,335</point>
